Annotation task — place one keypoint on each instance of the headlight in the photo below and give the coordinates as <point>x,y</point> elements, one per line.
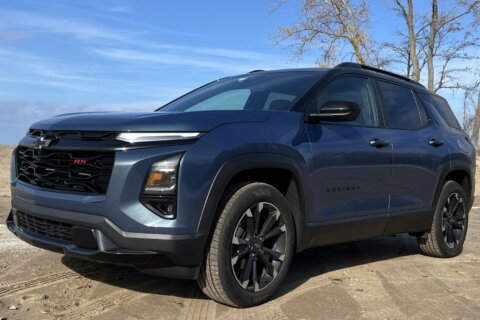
<point>162,177</point>
<point>159,192</point>
<point>136,137</point>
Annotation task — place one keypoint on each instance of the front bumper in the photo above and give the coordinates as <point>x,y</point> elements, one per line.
<point>162,255</point>
<point>124,230</point>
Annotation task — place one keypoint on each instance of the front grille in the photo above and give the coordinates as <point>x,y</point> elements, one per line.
<point>79,171</point>
<point>74,135</point>
<point>45,228</point>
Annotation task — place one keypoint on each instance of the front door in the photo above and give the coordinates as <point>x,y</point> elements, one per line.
<point>351,168</point>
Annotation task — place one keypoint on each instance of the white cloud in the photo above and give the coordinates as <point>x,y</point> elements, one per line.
<point>169,59</point>
<point>31,69</point>
<point>103,39</point>
<point>80,30</point>
<point>119,51</point>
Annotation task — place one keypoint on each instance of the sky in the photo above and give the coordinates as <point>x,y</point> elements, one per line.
<point>73,56</point>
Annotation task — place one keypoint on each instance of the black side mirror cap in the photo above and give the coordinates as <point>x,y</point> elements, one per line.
<point>336,111</point>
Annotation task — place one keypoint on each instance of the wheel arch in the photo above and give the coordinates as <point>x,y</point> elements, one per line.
<point>461,173</point>
<point>278,170</point>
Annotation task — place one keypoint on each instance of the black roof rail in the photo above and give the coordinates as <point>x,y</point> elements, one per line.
<point>253,71</point>
<point>370,68</point>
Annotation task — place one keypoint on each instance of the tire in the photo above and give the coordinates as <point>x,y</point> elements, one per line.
<point>450,223</point>
<point>225,275</point>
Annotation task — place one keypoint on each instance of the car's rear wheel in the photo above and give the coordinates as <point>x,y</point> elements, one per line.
<point>251,247</point>
<point>449,227</point>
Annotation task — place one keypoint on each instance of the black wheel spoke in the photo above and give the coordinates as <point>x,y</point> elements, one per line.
<point>452,204</point>
<point>276,255</point>
<point>459,215</point>
<point>444,227</point>
<point>272,218</point>
<point>455,208</point>
<point>451,234</point>
<point>256,215</point>
<point>446,234</point>
<point>274,232</point>
<point>250,224</point>
<point>255,283</point>
<point>268,265</point>
<point>245,276</point>
<point>457,225</point>
<point>458,234</point>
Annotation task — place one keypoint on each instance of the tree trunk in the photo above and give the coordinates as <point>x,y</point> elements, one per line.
<point>413,43</point>
<point>476,123</point>
<point>358,53</point>
<point>431,46</point>
<point>350,28</point>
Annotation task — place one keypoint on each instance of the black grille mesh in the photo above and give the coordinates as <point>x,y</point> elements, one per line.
<point>43,227</point>
<point>80,171</point>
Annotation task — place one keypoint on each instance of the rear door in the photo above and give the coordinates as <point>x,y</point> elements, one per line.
<point>419,154</point>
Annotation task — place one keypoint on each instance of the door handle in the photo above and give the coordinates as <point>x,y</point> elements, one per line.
<point>377,143</point>
<point>435,143</point>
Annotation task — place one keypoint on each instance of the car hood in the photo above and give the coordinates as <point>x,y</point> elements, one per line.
<point>148,121</point>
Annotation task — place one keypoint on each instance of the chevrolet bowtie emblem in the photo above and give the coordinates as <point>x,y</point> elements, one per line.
<point>42,143</point>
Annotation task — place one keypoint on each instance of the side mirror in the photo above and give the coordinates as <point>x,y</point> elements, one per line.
<point>336,111</point>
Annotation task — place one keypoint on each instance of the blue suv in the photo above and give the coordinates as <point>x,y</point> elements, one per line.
<point>224,184</point>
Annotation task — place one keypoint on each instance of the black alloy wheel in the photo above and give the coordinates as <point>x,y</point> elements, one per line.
<point>258,246</point>
<point>453,220</point>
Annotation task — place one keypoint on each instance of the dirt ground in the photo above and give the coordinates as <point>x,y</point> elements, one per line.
<point>384,278</point>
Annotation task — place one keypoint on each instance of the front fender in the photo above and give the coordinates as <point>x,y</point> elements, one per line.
<point>255,161</point>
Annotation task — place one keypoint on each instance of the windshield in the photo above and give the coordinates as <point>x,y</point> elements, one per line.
<point>275,91</point>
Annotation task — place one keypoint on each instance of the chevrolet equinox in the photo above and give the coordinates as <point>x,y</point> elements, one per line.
<point>224,184</point>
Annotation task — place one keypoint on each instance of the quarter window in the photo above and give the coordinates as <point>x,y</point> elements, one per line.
<point>354,89</point>
<point>400,108</point>
<point>442,107</point>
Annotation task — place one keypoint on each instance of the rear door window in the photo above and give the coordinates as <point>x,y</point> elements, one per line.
<point>400,107</point>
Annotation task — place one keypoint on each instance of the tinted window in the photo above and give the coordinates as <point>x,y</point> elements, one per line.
<point>353,89</point>
<point>228,100</point>
<point>400,108</point>
<point>277,101</point>
<point>254,91</point>
<point>443,109</point>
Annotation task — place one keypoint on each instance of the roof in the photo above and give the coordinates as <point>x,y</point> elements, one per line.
<point>350,65</point>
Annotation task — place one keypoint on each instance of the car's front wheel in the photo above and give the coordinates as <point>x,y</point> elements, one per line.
<point>449,226</point>
<point>251,247</point>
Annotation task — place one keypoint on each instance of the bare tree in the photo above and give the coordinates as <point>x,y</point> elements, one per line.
<point>476,123</point>
<point>471,106</point>
<point>334,27</point>
<point>431,43</point>
<point>476,118</point>
<point>411,57</point>
<point>439,40</point>
<point>449,41</point>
